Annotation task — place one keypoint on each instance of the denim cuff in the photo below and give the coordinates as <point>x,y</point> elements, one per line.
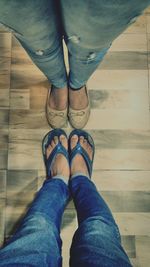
<point>79,174</point>
<point>59,83</point>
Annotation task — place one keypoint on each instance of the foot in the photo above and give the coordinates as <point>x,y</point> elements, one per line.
<point>58,98</point>
<point>78,163</point>
<point>78,99</point>
<point>60,164</point>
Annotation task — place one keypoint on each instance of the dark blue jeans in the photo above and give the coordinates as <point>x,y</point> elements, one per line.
<point>88,28</point>
<point>37,242</point>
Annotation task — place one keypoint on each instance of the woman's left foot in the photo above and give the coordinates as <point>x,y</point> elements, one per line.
<point>57,107</point>
<point>78,164</point>
<point>79,107</point>
<point>78,99</point>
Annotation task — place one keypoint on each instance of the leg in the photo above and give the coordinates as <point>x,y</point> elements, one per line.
<point>37,241</point>
<point>36,24</point>
<point>90,28</point>
<point>97,240</point>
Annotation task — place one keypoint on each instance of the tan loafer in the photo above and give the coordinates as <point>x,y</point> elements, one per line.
<point>56,118</point>
<point>79,118</point>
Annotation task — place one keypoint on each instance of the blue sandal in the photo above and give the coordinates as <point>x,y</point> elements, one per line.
<point>59,149</point>
<point>78,149</point>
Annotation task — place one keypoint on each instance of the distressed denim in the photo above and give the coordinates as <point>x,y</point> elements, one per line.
<point>88,28</point>
<point>37,242</point>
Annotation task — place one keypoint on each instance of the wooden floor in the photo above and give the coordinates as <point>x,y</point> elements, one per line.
<point>120,124</point>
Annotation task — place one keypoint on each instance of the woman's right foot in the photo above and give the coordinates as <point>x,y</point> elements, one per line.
<point>58,98</point>
<point>57,107</point>
<point>60,164</point>
<point>78,164</point>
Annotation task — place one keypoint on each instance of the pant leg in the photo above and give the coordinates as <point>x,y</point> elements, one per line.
<point>37,241</point>
<point>90,28</point>
<point>37,25</point>
<point>97,241</point>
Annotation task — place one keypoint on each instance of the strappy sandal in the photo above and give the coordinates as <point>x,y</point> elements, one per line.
<point>78,149</point>
<point>59,149</point>
<point>56,118</point>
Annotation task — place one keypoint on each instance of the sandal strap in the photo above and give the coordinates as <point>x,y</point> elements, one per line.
<point>59,149</point>
<point>78,149</point>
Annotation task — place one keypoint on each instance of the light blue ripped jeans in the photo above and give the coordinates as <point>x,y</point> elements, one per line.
<point>88,28</point>
<point>37,242</point>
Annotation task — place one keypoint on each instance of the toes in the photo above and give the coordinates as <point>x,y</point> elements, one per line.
<point>84,143</point>
<point>63,141</point>
<point>56,140</point>
<point>81,140</point>
<point>48,150</point>
<point>53,144</point>
<point>90,151</point>
<point>74,140</point>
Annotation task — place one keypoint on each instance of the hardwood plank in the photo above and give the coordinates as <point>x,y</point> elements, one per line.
<point>4,139</point>
<point>128,159</point>
<point>3,176</point>
<point>4,79</point>
<point>3,147</point>
<point>4,116</point>
<point>24,73</point>
<point>5,59</point>
<point>122,180</point>
<point>5,65</point>
<point>117,99</point>
<point>124,139</point>
<point>148,23</point>
<point>139,26</point>
<point>3,159</point>
<point>2,219</point>
<point>135,263</point>
<point>24,180</point>
<point>119,80</point>
<point>126,201</point>
<point>124,60</point>
<point>28,119</point>
<point>5,45</point>
<point>20,99</point>
<point>142,250</point>
<point>130,42</point>
<point>128,243</point>
<point>122,119</point>
<point>133,223</point>
<point>4,99</point>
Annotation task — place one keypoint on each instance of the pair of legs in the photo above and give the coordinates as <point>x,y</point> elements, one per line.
<point>88,29</point>
<point>37,242</point>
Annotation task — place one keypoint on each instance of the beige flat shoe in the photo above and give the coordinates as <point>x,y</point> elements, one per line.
<point>56,118</point>
<point>79,118</point>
